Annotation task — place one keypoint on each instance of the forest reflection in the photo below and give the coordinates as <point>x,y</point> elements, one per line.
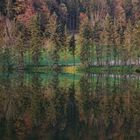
<point>69,107</point>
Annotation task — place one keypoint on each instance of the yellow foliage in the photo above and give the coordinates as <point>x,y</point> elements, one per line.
<point>70,69</point>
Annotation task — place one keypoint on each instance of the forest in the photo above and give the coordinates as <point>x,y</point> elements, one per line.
<point>69,69</point>
<point>85,33</point>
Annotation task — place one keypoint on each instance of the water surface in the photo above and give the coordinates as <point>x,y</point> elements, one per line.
<point>56,106</point>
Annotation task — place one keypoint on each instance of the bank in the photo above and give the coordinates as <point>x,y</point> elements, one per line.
<point>111,69</point>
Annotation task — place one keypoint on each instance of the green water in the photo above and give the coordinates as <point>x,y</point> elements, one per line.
<point>60,106</point>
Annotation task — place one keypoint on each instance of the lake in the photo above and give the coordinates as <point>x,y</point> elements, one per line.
<point>62,106</point>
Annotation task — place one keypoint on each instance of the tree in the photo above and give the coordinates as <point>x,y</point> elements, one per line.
<point>6,59</point>
<point>136,41</point>
<point>97,42</point>
<point>58,44</point>
<point>36,40</point>
<point>54,39</point>
<point>72,47</point>
<point>21,44</point>
<point>109,38</point>
<point>128,42</point>
<point>85,41</point>
<point>58,39</point>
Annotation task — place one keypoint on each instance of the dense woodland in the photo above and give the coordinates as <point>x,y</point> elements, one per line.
<point>99,32</point>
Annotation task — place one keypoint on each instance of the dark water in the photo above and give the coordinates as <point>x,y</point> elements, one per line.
<point>69,107</point>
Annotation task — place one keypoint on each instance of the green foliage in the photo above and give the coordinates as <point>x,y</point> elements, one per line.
<point>85,53</point>
<point>36,39</point>
<point>6,60</point>
<point>86,37</point>
<point>72,47</point>
<point>136,41</point>
<point>21,44</point>
<point>102,38</point>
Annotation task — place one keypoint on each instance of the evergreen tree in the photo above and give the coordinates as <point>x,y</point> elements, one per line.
<point>136,42</point>
<point>128,42</point>
<point>36,40</point>
<point>6,59</point>
<point>72,47</point>
<point>97,42</point>
<point>109,38</point>
<point>21,44</point>
<point>60,33</point>
<point>53,41</point>
<point>85,41</point>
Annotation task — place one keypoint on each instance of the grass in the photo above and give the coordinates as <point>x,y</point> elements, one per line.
<point>67,59</point>
<point>111,69</point>
<point>70,69</point>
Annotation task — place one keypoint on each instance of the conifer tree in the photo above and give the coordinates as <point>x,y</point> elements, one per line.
<point>109,38</point>
<point>36,40</point>
<point>72,47</point>
<point>60,32</point>
<point>128,42</point>
<point>21,44</point>
<point>53,45</point>
<point>85,39</point>
<point>7,59</point>
<point>97,42</point>
<point>136,42</point>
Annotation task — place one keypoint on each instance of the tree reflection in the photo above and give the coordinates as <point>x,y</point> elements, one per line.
<point>92,107</point>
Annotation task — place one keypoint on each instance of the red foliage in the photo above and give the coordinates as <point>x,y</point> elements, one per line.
<point>30,11</point>
<point>82,16</point>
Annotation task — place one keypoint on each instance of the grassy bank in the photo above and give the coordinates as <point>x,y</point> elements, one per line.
<point>110,69</point>
<point>78,69</point>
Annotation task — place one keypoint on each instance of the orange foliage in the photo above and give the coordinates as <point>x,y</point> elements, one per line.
<point>83,16</point>
<point>30,11</point>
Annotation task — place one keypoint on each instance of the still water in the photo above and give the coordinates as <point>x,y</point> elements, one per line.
<point>54,106</point>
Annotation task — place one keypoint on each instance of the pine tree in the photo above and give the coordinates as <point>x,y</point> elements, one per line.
<point>85,41</point>
<point>60,33</point>
<point>109,38</point>
<point>72,47</point>
<point>136,41</point>
<point>7,59</point>
<point>97,42</point>
<point>21,44</point>
<point>36,40</point>
<point>52,44</point>
<point>128,42</point>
